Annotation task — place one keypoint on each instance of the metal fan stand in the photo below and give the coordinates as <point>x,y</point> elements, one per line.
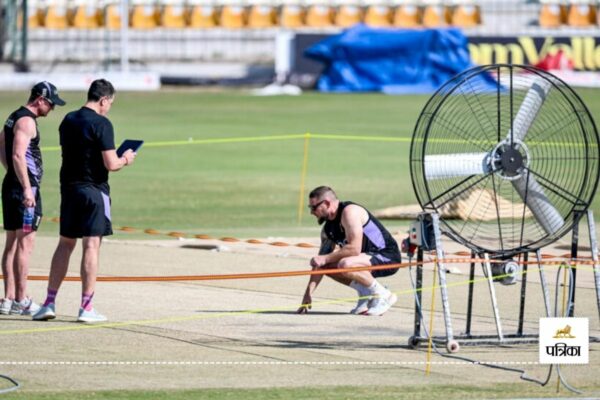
<point>453,343</point>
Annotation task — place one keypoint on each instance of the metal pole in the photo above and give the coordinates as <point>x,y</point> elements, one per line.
<point>523,292</point>
<point>24,32</point>
<point>490,278</point>
<point>545,293</point>
<point>470,298</point>
<point>594,246</point>
<point>442,276</point>
<point>574,254</point>
<point>125,36</point>
<point>419,292</point>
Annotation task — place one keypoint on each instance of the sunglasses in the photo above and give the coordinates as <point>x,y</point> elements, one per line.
<point>314,207</point>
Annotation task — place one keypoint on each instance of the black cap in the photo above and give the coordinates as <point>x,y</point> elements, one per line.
<point>47,91</point>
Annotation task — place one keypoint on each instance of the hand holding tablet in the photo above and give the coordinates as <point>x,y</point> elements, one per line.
<point>129,144</point>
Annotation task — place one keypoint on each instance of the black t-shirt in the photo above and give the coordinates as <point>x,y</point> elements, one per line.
<point>84,135</point>
<point>33,155</point>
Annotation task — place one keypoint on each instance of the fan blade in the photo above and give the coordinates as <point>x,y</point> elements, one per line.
<point>542,209</point>
<point>529,109</point>
<point>455,165</point>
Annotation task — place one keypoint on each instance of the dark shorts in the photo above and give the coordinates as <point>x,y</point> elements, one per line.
<point>84,211</point>
<point>383,259</point>
<point>13,208</point>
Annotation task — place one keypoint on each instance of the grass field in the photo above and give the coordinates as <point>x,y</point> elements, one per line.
<point>189,178</point>
<point>250,187</point>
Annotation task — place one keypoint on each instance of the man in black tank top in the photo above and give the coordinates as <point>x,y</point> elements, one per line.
<point>21,157</point>
<point>352,237</point>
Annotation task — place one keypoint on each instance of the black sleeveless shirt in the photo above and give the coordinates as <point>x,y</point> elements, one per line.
<point>376,239</point>
<point>33,155</point>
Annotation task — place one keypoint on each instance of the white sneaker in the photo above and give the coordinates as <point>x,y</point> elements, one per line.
<point>381,304</point>
<point>362,305</point>
<point>24,307</point>
<point>45,313</point>
<point>5,306</point>
<point>90,316</point>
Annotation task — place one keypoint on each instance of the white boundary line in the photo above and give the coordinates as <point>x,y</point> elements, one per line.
<point>267,363</point>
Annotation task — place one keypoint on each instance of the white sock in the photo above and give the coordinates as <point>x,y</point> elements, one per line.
<point>361,289</point>
<point>378,289</point>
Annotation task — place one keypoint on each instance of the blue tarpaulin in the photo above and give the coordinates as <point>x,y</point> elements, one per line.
<point>394,61</point>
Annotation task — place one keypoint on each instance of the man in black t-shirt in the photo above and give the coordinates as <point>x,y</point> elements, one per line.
<point>352,237</point>
<point>21,156</point>
<point>88,154</point>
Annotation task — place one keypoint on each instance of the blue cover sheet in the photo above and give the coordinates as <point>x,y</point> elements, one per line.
<point>395,61</point>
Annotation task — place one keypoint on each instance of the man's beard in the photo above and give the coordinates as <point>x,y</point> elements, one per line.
<point>321,220</point>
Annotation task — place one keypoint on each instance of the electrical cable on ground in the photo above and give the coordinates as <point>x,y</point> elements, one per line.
<point>523,375</point>
<point>565,314</point>
<point>16,385</point>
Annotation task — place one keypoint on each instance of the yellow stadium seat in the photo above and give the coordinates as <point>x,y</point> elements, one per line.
<point>56,15</point>
<point>435,14</point>
<point>553,13</point>
<point>291,14</point>
<point>86,15</point>
<point>262,14</point>
<point>581,13</point>
<point>173,14</point>
<point>378,14</point>
<point>202,14</point>
<point>465,14</point>
<point>112,14</point>
<point>319,14</point>
<point>407,14</point>
<point>233,15</point>
<point>35,14</point>
<point>144,14</point>
<point>348,13</point>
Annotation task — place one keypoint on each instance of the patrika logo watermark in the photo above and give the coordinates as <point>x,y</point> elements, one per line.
<point>564,341</point>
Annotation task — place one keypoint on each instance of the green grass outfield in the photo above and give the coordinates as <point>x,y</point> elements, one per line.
<point>246,188</point>
<point>430,392</point>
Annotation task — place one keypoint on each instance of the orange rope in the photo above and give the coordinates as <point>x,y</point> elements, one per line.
<point>283,274</point>
<point>254,275</point>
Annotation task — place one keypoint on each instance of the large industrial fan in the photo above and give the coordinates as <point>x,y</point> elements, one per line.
<point>506,158</point>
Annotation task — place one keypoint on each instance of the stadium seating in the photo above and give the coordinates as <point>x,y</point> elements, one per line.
<point>378,13</point>
<point>291,14</point>
<point>262,14</point>
<point>582,13</point>
<point>35,14</point>
<point>202,14</point>
<point>435,14</point>
<point>173,14</point>
<point>553,13</point>
<point>144,14</point>
<point>407,14</point>
<point>465,14</point>
<point>319,14</point>
<point>233,14</point>
<point>86,15</point>
<point>112,14</point>
<point>348,13</point>
<point>56,15</point>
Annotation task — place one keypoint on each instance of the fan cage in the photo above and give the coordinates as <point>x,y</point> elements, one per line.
<point>474,112</point>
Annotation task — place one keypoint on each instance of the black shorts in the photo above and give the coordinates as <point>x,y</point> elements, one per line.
<point>383,259</point>
<point>84,211</point>
<point>13,208</point>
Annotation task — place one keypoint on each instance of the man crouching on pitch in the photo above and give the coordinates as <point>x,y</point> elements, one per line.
<point>361,241</point>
